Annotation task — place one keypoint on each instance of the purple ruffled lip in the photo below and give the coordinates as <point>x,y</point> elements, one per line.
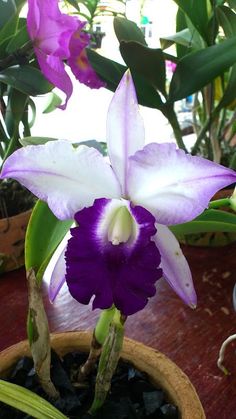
<point>123,274</point>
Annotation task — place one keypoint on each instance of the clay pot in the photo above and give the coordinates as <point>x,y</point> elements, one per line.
<point>162,371</point>
<point>12,241</point>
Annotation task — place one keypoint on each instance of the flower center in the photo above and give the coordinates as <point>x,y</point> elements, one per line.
<point>121,227</point>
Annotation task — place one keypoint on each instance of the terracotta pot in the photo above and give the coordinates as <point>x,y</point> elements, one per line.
<point>211,239</point>
<point>161,370</point>
<point>12,241</point>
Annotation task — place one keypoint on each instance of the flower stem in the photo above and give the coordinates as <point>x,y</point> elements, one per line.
<point>102,327</point>
<point>18,56</point>
<point>89,365</point>
<point>173,120</point>
<point>99,335</point>
<point>108,361</point>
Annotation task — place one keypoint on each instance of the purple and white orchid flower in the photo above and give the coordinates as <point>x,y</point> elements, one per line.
<point>121,245</point>
<point>57,37</point>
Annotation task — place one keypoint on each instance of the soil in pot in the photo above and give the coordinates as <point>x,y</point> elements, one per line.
<point>132,396</point>
<point>15,209</point>
<point>14,198</point>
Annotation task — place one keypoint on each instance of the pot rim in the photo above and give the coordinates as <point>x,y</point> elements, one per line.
<point>20,215</point>
<point>161,370</point>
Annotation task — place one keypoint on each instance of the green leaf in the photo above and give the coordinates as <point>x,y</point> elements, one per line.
<point>33,112</point>
<point>232,4</point>
<point>53,102</point>
<point>197,12</point>
<point>10,25</point>
<point>181,24</point>
<point>25,122</point>
<point>227,20</point>
<point>6,33</point>
<point>20,4</point>
<point>74,3</point>
<point>209,221</point>
<point>44,234</point>
<point>100,146</point>
<point>8,9</point>
<point>232,164</point>
<point>229,92</point>
<point>220,2</point>
<point>28,402</point>
<point>35,140</point>
<point>147,62</point>
<point>91,6</point>
<point>111,72</point>
<point>3,134</point>
<point>197,69</point>
<point>183,37</point>
<point>27,79</point>
<point>126,30</point>
<point>16,106</point>
<point>17,41</point>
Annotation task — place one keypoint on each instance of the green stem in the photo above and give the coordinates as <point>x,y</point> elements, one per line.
<point>223,116</point>
<point>1,151</point>
<point>13,145</point>
<point>108,360</point>
<point>100,334</point>
<point>17,56</point>
<point>202,133</point>
<point>225,202</point>
<point>173,120</point>
<point>89,365</point>
<point>232,164</point>
<point>103,324</point>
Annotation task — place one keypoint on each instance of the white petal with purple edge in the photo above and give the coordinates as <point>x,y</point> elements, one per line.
<point>55,273</point>
<point>67,178</point>
<point>125,129</point>
<point>58,274</point>
<point>174,186</point>
<point>174,265</point>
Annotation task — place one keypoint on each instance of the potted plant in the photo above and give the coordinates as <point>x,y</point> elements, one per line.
<point>163,373</point>
<point>121,243</point>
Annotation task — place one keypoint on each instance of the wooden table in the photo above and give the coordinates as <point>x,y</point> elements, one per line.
<point>190,338</point>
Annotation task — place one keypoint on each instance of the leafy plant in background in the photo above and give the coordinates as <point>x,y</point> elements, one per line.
<point>31,66</point>
<point>205,66</point>
<point>92,11</point>
<point>19,82</point>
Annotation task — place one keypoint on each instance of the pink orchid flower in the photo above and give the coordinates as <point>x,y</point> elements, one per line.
<point>58,37</point>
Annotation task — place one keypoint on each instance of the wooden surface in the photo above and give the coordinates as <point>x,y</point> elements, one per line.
<point>190,338</point>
